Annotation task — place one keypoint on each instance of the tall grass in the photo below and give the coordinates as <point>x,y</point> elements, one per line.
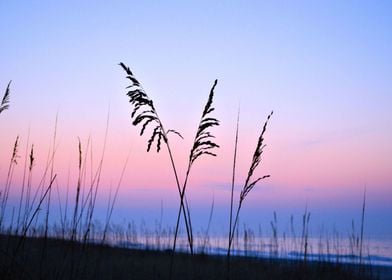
<point>111,202</point>
<point>274,241</point>
<point>362,225</point>
<point>92,193</point>
<point>233,172</point>
<point>250,183</point>
<point>203,144</point>
<point>51,176</point>
<point>35,212</point>
<point>23,183</point>
<point>77,196</point>
<point>144,113</point>
<point>305,233</point>
<point>5,194</point>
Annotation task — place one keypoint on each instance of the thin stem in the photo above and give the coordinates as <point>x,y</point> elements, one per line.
<point>197,151</point>
<point>111,204</point>
<point>23,180</point>
<point>8,181</point>
<point>208,225</point>
<point>24,233</point>
<point>233,177</point>
<point>362,224</point>
<point>234,226</point>
<point>182,207</point>
<point>188,229</point>
<point>51,176</point>
<point>98,178</point>
<point>74,226</point>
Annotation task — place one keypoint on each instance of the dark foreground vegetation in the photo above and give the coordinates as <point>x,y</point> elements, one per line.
<point>61,259</point>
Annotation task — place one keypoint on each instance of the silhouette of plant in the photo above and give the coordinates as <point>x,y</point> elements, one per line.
<point>249,184</point>
<point>202,145</point>
<point>145,114</point>
<point>5,102</point>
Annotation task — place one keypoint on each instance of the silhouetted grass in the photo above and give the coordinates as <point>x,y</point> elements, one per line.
<point>249,184</point>
<point>5,102</point>
<point>145,114</point>
<point>362,225</point>
<point>203,144</point>
<point>4,194</point>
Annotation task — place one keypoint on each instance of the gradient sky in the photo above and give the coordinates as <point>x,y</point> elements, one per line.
<point>324,67</point>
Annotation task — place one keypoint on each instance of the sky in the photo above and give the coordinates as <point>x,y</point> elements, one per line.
<point>322,66</point>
